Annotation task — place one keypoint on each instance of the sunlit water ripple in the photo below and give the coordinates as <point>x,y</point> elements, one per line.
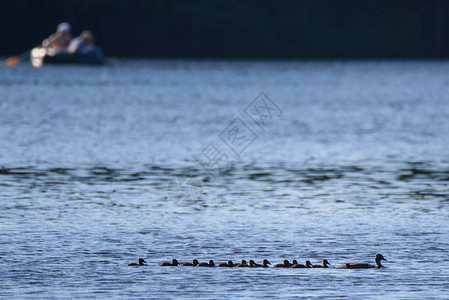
<point>355,165</point>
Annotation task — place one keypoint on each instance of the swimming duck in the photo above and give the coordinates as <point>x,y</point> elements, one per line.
<point>308,264</point>
<point>140,263</point>
<point>252,264</point>
<point>294,262</point>
<point>264,264</point>
<point>226,264</point>
<point>378,258</point>
<point>173,263</point>
<point>242,264</point>
<point>208,264</point>
<point>324,265</point>
<point>191,264</point>
<point>285,264</point>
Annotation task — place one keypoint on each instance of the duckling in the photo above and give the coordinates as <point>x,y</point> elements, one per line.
<point>285,264</point>
<point>226,264</point>
<point>191,264</point>
<point>242,264</point>
<point>378,258</point>
<point>264,264</point>
<point>324,265</point>
<point>173,263</point>
<point>308,264</point>
<point>252,264</point>
<point>140,263</point>
<point>208,264</point>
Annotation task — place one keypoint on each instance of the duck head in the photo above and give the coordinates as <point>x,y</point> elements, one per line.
<point>379,257</point>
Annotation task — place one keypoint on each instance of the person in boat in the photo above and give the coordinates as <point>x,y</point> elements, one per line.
<point>60,40</point>
<point>83,44</point>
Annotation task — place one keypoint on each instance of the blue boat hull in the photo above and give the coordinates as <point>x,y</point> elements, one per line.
<point>39,57</point>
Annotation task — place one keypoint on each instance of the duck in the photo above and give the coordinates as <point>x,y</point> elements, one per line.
<point>377,258</point>
<point>324,265</point>
<point>252,264</point>
<point>264,264</point>
<point>307,264</point>
<point>191,264</point>
<point>226,264</point>
<point>243,263</point>
<point>285,264</point>
<point>141,262</point>
<point>173,263</point>
<point>208,264</point>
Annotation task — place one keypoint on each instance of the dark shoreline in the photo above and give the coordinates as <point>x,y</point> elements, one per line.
<point>220,29</point>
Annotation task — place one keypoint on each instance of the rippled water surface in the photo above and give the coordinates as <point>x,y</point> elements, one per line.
<point>355,162</point>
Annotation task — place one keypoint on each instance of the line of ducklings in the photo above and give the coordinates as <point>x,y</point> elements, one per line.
<point>244,264</point>
<point>265,264</point>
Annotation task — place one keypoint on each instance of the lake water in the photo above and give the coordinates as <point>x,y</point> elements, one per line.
<point>351,160</point>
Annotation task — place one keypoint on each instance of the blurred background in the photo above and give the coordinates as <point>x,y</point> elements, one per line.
<point>238,28</point>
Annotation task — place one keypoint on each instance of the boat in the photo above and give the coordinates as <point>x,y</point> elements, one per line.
<point>41,55</point>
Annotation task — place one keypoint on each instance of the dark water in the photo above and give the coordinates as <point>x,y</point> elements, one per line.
<point>355,163</point>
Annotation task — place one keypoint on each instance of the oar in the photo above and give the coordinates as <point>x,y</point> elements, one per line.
<point>15,60</point>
